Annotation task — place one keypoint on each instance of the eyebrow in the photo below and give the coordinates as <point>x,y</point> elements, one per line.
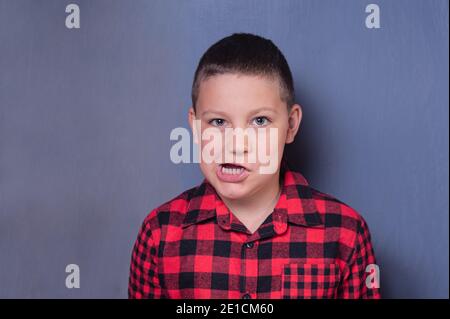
<point>251,113</point>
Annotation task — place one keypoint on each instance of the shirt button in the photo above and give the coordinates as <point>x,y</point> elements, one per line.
<point>246,296</point>
<point>249,245</point>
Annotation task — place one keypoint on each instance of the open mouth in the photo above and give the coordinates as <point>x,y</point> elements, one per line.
<point>232,173</point>
<point>231,169</point>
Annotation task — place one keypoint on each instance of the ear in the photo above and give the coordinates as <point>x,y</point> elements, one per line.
<point>294,119</point>
<point>191,120</point>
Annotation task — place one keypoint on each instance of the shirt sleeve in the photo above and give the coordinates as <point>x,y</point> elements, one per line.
<point>143,280</point>
<point>361,278</point>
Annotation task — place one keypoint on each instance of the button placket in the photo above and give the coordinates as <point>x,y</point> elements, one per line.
<point>249,269</point>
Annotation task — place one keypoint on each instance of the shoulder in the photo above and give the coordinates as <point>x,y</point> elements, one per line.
<point>336,213</point>
<point>171,211</point>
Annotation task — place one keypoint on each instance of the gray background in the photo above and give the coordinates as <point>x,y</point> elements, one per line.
<point>85,118</point>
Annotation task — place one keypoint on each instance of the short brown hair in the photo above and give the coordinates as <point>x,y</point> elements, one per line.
<point>247,54</point>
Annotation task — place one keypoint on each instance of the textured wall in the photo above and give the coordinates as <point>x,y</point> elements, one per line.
<point>85,118</point>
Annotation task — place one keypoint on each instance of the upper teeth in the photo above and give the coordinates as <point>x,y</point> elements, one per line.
<point>227,170</point>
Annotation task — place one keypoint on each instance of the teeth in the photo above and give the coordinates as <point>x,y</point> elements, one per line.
<point>232,171</point>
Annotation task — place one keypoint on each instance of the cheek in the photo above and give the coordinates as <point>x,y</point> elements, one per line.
<point>272,142</point>
<point>209,172</point>
<point>208,169</point>
<point>211,147</point>
<point>281,139</point>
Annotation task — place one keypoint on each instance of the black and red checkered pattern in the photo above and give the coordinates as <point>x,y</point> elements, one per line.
<point>311,246</point>
<point>308,281</point>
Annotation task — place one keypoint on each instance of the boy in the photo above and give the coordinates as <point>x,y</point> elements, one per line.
<point>244,232</point>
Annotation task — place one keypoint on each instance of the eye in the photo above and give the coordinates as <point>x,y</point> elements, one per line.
<point>217,122</point>
<point>261,121</point>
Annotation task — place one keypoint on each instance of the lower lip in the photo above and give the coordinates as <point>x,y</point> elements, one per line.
<point>231,178</point>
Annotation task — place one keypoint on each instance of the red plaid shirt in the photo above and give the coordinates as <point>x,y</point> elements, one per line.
<point>311,246</point>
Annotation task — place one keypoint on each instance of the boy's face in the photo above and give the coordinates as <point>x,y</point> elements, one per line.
<point>236,101</point>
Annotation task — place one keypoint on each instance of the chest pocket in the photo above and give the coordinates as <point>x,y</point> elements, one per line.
<point>310,281</point>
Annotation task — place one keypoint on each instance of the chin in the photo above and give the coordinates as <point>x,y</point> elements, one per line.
<point>230,190</point>
<point>225,189</point>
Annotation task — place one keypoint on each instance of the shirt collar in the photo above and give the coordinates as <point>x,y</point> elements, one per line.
<point>295,205</point>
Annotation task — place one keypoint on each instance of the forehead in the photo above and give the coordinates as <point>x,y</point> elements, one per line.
<point>233,93</point>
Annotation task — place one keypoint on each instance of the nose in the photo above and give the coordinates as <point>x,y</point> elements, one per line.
<point>237,142</point>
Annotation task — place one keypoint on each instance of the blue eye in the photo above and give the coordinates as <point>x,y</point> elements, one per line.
<point>261,121</point>
<point>217,122</point>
